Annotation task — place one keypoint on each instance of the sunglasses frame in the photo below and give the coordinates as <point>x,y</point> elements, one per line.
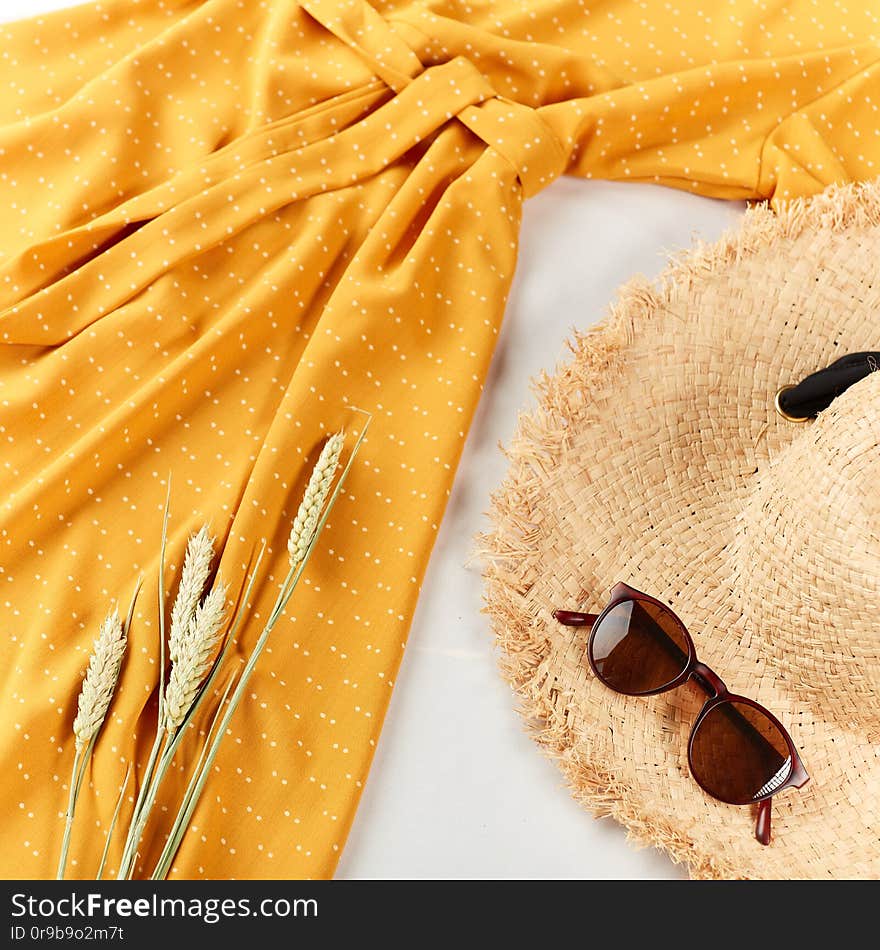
<point>712,685</point>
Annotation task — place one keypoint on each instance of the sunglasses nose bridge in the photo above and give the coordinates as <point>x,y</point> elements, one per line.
<point>708,680</point>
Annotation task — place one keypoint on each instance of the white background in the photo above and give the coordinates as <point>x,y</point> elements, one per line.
<point>457,789</point>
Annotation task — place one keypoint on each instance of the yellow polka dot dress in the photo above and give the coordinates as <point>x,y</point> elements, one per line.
<point>222,225</point>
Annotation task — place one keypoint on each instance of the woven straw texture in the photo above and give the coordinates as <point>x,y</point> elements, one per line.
<point>655,457</point>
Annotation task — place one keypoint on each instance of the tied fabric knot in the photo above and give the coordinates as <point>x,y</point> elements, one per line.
<point>515,130</point>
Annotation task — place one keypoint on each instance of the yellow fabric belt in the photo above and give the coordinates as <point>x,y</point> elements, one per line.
<point>456,88</point>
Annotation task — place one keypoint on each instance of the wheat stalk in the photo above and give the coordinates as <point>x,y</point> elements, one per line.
<point>112,827</point>
<point>193,577</point>
<point>306,521</point>
<point>194,655</point>
<point>197,626</point>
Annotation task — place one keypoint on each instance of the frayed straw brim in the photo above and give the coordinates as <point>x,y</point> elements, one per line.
<point>655,457</point>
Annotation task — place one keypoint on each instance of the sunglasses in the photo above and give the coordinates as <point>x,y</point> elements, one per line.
<point>738,752</point>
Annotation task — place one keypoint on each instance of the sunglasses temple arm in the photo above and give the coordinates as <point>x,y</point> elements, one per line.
<point>762,826</point>
<point>572,618</point>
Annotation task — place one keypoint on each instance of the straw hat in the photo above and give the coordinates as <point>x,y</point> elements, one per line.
<point>656,457</point>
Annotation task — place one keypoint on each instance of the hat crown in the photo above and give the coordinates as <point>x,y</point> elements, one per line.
<point>806,551</point>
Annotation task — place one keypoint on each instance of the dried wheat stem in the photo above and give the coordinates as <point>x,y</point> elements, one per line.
<point>195,653</point>
<point>112,827</point>
<point>317,490</point>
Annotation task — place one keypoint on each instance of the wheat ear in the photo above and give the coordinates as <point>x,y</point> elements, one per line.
<point>100,680</point>
<point>317,490</point>
<point>97,690</point>
<point>193,577</point>
<point>195,654</point>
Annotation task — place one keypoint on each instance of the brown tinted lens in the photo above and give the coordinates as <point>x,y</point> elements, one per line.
<point>738,754</point>
<point>638,647</point>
